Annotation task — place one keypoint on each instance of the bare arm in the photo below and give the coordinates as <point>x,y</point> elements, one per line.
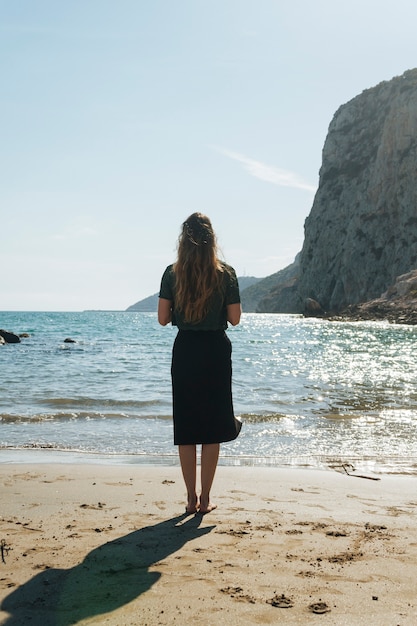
<point>234,311</point>
<point>164,311</point>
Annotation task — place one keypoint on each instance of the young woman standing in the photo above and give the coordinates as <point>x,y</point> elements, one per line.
<point>200,294</point>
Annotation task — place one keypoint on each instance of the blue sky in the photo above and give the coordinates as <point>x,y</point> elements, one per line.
<point>119,119</point>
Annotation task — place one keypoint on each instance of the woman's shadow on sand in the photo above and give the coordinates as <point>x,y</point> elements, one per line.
<point>110,576</point>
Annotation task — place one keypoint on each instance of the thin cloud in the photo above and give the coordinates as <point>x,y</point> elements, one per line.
<point>268,173</point>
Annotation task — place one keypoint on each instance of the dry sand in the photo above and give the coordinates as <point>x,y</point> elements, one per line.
<point>105,544</point>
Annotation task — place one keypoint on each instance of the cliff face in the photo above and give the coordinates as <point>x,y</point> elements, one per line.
<point>362,229</point>
<point>398,304</point>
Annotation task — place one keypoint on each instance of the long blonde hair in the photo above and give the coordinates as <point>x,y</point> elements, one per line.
<point>198,271</point>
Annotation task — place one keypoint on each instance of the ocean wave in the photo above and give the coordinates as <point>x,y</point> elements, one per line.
<point>82,401</point>
<point>8,418</point>
<point>259,418</point>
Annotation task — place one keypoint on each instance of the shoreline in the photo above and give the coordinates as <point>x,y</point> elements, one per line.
<point>96,543</point>
<point>387,466</point>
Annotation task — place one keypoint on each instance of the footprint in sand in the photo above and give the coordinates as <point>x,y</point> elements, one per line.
<point>336,533</point>
<point>96,507</point>
<point>281,602</point>
<point>236,592</point>
<point>319,607</point>
<point>6,583</point>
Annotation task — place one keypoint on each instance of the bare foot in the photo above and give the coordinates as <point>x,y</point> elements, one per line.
<point>207,509</point>
<point>192,506</point>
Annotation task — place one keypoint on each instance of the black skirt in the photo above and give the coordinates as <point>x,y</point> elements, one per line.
<point>202,388</point>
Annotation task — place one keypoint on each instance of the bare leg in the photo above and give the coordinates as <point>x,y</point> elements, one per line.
<point>188,459</point>
<point>209,458</point>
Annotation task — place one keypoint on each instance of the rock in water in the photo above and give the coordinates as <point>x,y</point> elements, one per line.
<point>9,337</point>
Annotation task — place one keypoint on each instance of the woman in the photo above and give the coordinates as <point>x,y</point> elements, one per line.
<point>200,294</point>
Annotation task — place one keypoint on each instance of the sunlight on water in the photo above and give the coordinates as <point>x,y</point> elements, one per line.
<point>305,388</point>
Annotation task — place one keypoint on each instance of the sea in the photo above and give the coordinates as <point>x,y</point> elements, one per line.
<point>310,392</point>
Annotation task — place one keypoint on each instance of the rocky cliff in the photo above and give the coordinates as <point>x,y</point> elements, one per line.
<point>398,304</point>
<point>361,233</point>
<point>280,287</point>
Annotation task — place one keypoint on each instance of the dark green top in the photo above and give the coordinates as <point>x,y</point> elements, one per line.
<point>216,318</point>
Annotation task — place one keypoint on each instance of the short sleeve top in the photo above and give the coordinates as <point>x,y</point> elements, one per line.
<point>216,318</point>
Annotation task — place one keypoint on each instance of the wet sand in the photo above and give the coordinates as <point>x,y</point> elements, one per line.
<point>105,544</point>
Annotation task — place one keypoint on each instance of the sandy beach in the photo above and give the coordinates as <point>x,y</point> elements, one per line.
<point>109,544</point>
